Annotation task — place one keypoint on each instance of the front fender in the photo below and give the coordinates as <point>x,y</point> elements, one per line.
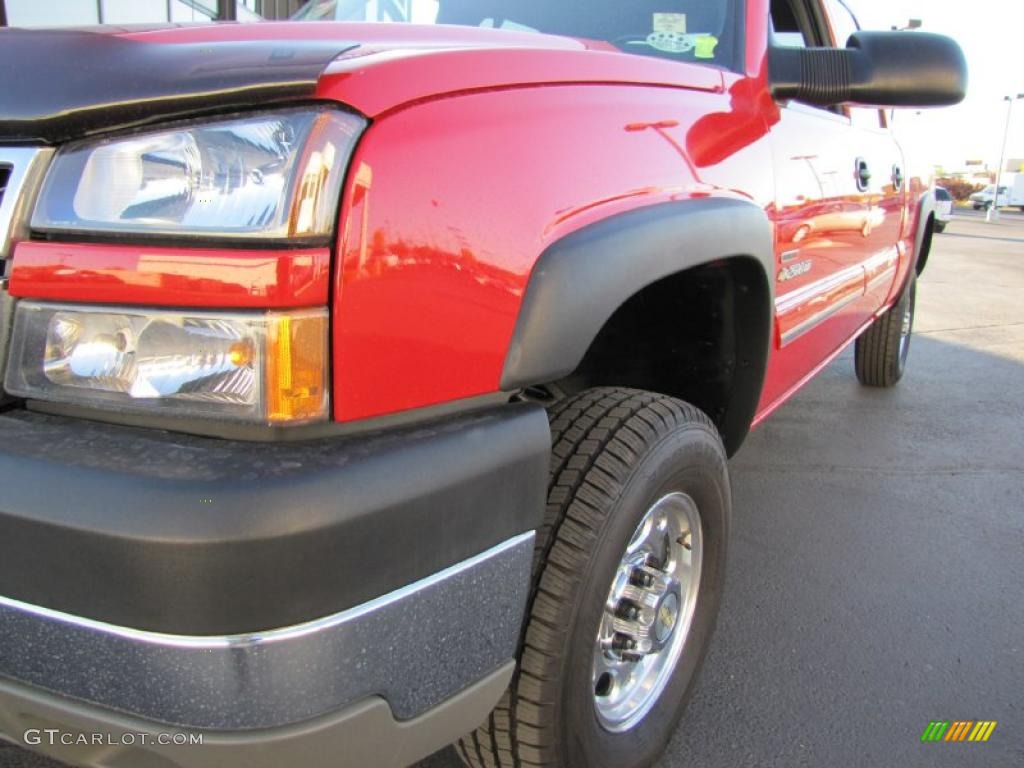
<point>579,282</point>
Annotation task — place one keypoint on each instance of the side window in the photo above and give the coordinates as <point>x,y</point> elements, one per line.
<point>794,26</point>
<point>790,28</point>
<point>844,24</point>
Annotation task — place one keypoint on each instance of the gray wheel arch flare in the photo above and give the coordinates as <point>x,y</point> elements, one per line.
<point>580,281</point>
<point>922,238</point>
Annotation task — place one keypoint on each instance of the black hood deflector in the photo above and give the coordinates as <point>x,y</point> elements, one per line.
<point>57,85</point>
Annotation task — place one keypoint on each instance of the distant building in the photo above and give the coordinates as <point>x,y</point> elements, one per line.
<point>78,13</point>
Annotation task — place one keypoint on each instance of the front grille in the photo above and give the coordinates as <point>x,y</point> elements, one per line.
<point>21,170</point>
<point>5,175</point>
<point>5,305</point>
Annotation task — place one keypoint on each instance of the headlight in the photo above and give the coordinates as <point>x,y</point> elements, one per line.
<point>274,175</point>
<point>265,367</point>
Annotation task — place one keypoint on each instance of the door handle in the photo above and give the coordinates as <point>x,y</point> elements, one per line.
<point>863,174</point>
<point>897,178</point>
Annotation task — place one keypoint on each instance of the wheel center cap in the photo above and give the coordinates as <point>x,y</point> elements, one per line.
<point>665,620</point>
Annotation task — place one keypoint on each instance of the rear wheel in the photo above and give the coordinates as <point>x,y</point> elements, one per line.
<point>628,577</point>
<point>940,226</point>
<point>881,353</point>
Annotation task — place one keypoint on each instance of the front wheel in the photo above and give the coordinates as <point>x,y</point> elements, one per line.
<point>628,579</point>
<point>880,356</point>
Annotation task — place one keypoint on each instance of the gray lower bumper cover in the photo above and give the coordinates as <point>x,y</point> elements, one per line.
<point>415,647</point>
<point>360,736</point>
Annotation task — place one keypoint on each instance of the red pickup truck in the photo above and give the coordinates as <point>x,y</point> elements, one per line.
<point>370,385</point>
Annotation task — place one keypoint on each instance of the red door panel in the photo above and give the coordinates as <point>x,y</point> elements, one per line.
<point>823,222</point>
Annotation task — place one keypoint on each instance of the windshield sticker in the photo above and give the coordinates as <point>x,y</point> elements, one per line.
<point>672,42</point>
<point>705,47</point>
<point>670,22</point>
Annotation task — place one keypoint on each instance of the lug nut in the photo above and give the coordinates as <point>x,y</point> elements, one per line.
<point>641,578</point>
<point>623,643</point>
<point>627,610</point>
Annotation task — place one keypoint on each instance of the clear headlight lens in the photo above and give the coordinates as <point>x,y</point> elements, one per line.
<point>275,175</point>
<point>260,367</point>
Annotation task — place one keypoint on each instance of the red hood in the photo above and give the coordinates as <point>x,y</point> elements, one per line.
<point>390,36</point>
<point>57,85</point>
<point>399,63</point>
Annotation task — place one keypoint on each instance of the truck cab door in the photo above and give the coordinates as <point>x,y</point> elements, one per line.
<point>825,218</point>
<point>884,187</point>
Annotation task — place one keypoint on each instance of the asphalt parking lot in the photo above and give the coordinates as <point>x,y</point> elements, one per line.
<point>877,559</point>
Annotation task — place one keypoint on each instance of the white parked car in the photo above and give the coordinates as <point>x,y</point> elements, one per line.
<point>983,200</point>
<point>1011,193</point>
<point>943,208</point>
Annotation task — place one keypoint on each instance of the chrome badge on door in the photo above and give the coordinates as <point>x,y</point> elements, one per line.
<point>794,271</point>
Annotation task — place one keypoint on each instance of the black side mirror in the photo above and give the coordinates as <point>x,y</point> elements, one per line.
<point>878,69</point>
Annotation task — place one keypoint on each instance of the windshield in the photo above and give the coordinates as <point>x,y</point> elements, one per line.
<point>686,30</point>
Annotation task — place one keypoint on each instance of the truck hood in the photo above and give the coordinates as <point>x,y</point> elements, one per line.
<point>61,84</point>
<point>57,85</point>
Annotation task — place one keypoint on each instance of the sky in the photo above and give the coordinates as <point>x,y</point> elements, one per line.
<point>991,33</point>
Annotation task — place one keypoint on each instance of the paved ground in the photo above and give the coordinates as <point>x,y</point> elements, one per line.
<point>878,549</point>
<point>1004,211</point>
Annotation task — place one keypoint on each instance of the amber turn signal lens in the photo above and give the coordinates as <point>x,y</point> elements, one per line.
<point>296,371</point>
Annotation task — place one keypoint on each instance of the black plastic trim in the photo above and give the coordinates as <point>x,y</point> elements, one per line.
<point>879,69</point>
<point>93,81</point>
<point>267,433</point>
<point>579,282</point>
<point>922,238</point>
<point>190,535</point>
<point>362,735</point>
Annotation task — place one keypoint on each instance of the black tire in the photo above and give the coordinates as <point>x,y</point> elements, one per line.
<point>881,353</point>
<point>940,226</point>
<point>614,453</point>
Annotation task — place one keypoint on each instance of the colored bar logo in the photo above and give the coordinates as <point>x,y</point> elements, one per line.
<point>958,730</point>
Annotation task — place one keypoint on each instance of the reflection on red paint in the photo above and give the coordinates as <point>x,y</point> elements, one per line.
<point>439,241</point>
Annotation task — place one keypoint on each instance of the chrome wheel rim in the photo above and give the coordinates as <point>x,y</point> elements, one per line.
<point>648,613</point>
<point>906,329</point>
<point>905,333</point>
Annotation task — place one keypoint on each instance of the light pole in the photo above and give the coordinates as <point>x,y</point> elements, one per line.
<point>993,213</point>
